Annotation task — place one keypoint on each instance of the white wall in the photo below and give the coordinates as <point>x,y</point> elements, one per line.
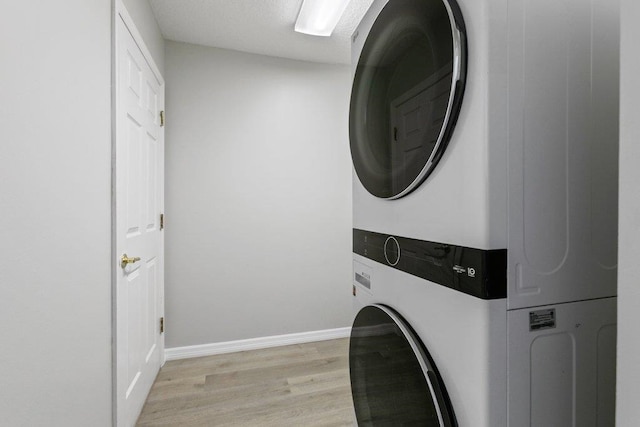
<point>628,380</point>
<point>55,204</point>
<point>142,15</point>
<point>258,196</point>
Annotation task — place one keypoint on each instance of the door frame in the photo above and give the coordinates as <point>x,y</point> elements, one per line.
<point>120,12</point>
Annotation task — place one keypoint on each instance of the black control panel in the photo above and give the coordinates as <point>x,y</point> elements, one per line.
<point>477,272</point>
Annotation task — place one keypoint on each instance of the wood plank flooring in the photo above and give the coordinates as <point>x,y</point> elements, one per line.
<point>296,385</point>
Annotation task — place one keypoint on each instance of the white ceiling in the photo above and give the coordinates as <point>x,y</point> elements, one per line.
<point>256,26</point>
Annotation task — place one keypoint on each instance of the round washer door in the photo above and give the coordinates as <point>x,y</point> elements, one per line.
<point>406,94</point>
<point>393,380</point>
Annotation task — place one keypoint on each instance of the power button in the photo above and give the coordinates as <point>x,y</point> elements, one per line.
<point>392,250</point>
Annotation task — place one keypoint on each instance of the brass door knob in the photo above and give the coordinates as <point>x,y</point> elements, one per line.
<point>126,260</point>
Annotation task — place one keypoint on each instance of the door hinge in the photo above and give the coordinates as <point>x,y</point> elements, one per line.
<point>162,118</point>
<point>162,325</point>
<point>161,221</point>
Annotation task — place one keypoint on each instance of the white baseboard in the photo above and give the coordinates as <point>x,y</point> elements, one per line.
<point>176,353</point>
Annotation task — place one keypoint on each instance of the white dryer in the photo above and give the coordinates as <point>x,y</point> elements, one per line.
<point>484,143</point>
<point>428,122</point>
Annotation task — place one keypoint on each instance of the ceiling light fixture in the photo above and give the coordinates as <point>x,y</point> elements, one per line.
<point>320,17</point>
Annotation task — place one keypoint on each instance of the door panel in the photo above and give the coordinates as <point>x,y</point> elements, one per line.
<point>139,177</point>
<point>132,184</point>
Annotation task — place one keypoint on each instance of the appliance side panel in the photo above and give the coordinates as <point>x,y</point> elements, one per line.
<point>561,361</point>
<point>563,148</point>
<point>606,343</point>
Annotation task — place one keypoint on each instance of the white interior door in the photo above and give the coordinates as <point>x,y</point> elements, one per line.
<point>139,177</point>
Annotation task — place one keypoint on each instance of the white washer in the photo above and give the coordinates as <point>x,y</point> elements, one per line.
<point>423,354</point>
<point>450,328</point>
<point>402,320</point>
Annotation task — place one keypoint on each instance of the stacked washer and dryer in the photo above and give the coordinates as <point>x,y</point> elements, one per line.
<point>484,139</point>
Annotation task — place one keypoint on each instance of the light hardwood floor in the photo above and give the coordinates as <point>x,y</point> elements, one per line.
<point>296,385</point>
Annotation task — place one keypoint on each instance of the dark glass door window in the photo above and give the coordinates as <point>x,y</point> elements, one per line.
<point>406,94</point>
<point>393,381</point>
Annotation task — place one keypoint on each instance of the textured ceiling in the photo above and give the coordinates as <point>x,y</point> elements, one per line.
<point>256,26</point>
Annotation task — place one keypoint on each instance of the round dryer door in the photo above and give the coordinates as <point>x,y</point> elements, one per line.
<point>393,380</point>
<point>406,95</point>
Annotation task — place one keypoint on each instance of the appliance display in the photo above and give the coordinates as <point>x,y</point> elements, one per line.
<point>484,213</point>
